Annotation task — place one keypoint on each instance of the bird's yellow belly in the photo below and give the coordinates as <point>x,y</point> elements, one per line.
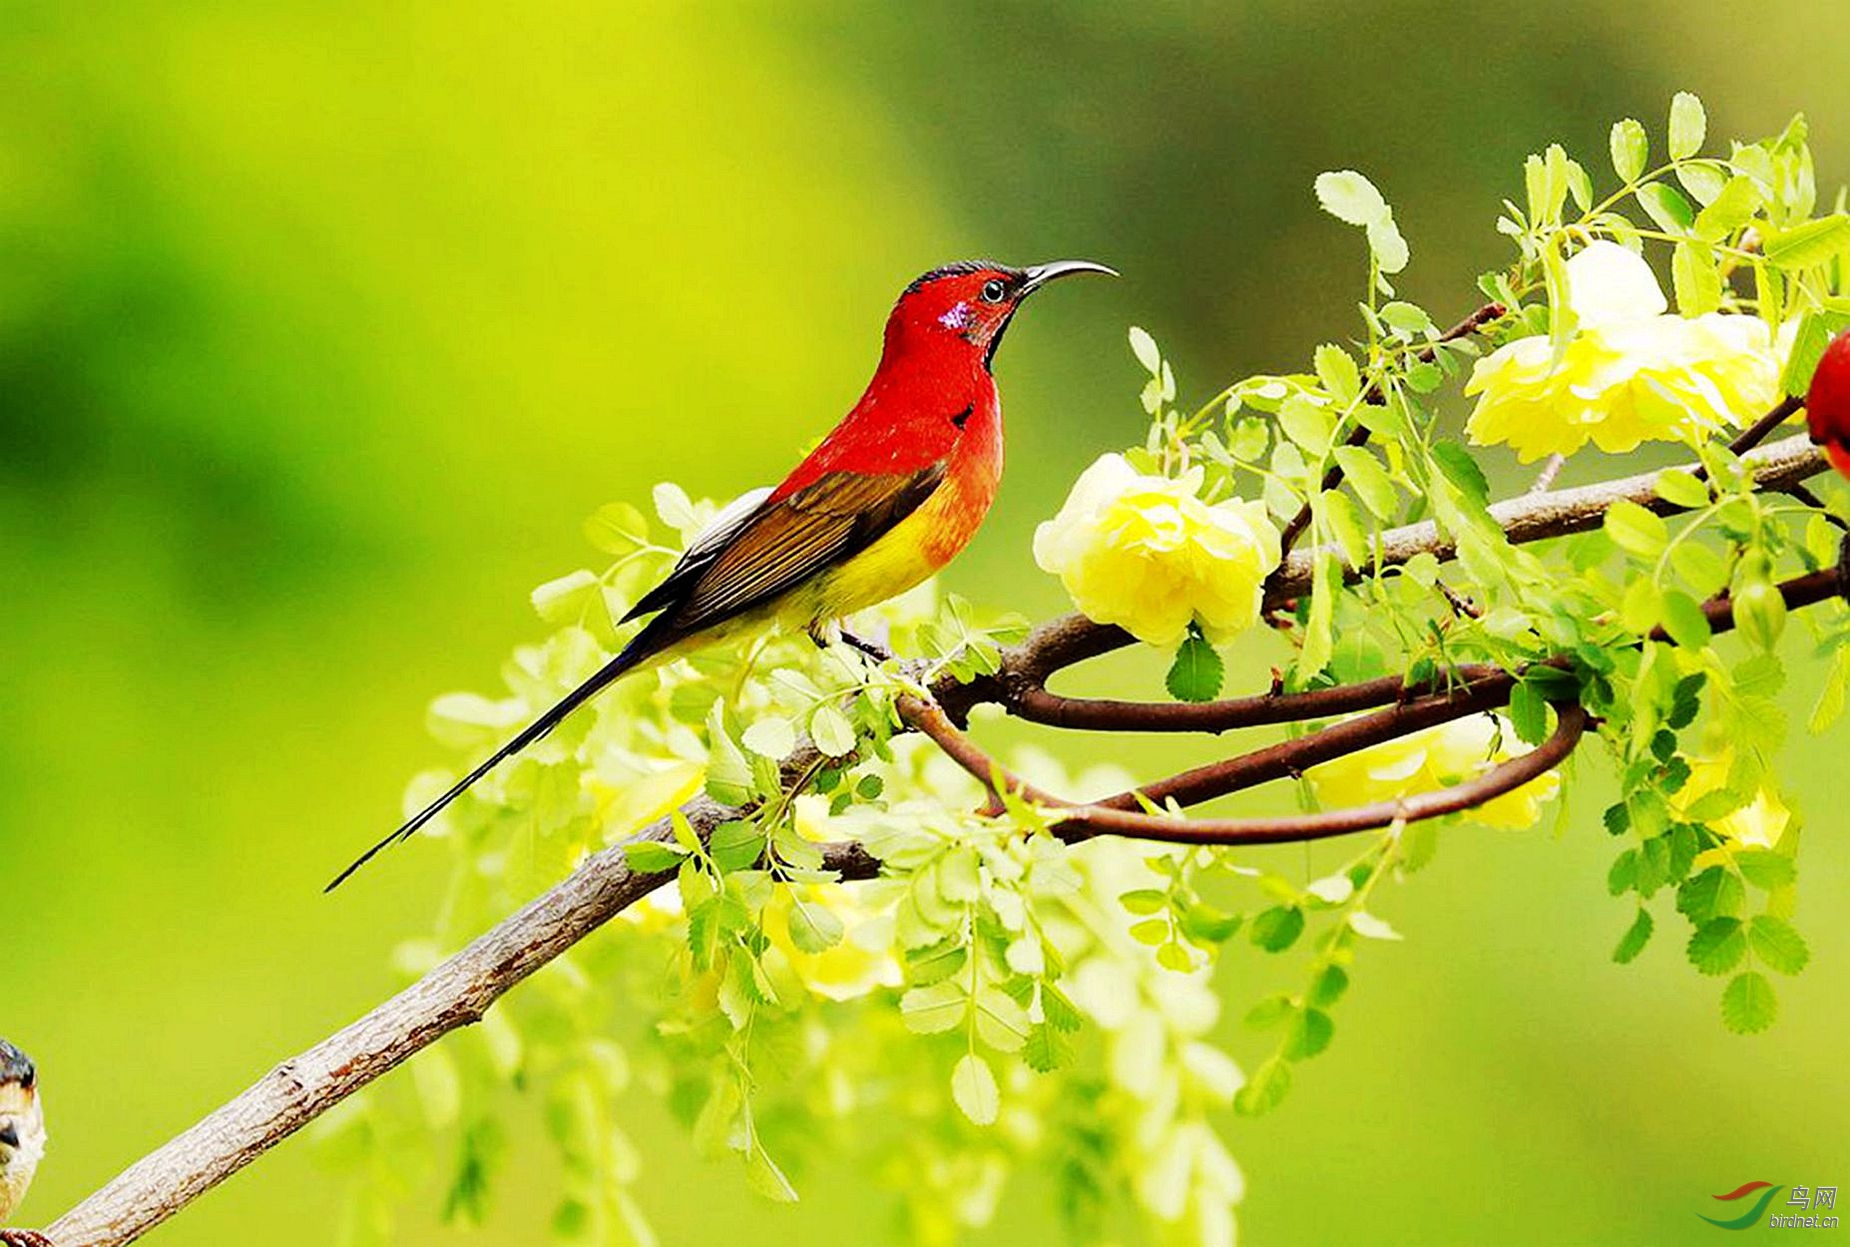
<point>904,557</point>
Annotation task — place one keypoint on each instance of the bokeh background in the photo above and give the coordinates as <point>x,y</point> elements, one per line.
<point>323,325</point>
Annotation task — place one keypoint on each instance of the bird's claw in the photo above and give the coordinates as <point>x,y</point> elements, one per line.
<point>873,649</point>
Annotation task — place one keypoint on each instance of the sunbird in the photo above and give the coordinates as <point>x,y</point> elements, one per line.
<point>22,1139</point>
<point>890,496</point>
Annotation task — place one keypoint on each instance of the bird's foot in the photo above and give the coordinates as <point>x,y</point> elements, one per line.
<point>24,1238</point>
<point>873,649</point>
<point>826,634</point>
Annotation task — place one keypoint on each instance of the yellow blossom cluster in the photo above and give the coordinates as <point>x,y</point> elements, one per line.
<point>1148,554</point>
<point>1632,372</point>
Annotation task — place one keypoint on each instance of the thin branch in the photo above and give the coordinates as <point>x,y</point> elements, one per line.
<point>1085,822</point>
<point>1761,429</point>
<point>1098,714</point>
<point>1359,436</point>
<point>1551,469</point>
<point>1291,758</point>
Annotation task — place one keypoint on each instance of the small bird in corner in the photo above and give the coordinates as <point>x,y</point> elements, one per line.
<point>22,1139</point>
<point>888,498</point>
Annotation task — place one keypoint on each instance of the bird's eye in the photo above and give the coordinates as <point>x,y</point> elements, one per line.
<point>9,1135</point>
<point>994,290</point>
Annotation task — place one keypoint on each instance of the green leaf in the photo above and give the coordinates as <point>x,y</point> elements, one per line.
<point>934,1008</point>
<point>1047,1049</point>
<point>831,731</point>
<point>1808,345</point>
<point>1832,696</point>
<point>729,775</point>
<point>1718,945</point>
<point>813,927</point>
<point>1635,938</point>
<point>1636,530</point>
<point>1777,945</point>
<point>1370,927</point>
<point>1696,281</point>
<point>1337,371</point>
<point>1666,207</point>
<point>1390,248</point>
<point>1270,1011</point>
<point>1308,1035</point>
<point>1702,569</point>
<point>1001,1022</point>
<point>1730,210</point>
<point>1749,1005</point>
<point>973,1086</point>
<point>736,845</point>
<point>1371,481</point>
<point>674,506</point>
<point>1143,346</point>
<point>1061,1013</point>
<point>1714,893</point>
<point>1461,468</point>
<point>1277,928</point>
<point>1320,626</point>
<point>767,1179</point>
<point>1268,1086</point>
<point>1204,924</point>
<point>1682,489</point>
<point>1810,244</point>
<point>1684,620</point>
<point>1688,125</point>
<point>1631,147</point>
<point>771,737</point>
<point>1765,869</point>
<point>1197,672</point>
<point>1328,986</point>
<point>565,600</point>
<point>1528,713</point>
<point>1144,900</point>
<point>652,856</point>
<point>617,528</point>
<point>1350,197</point>
<point>1307,422</point>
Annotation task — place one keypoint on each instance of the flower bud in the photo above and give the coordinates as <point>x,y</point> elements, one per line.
<point>1759,607</point>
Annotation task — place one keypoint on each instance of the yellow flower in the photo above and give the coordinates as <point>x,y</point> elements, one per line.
<point>1438,757</point>
<point>1146,553</point>
<point>1756,825</point>
<point>1631,374</point>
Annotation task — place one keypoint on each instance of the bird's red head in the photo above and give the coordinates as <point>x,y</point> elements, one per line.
<point>966,306</point>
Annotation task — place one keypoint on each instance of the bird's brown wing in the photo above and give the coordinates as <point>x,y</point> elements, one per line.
<point>785,542</point>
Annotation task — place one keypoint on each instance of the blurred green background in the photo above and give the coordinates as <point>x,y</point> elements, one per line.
<point>323,325</point>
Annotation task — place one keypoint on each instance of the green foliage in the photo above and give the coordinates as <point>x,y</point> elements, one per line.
<point>998,1000</point>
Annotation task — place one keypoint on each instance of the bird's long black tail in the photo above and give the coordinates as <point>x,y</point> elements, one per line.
<point>641,647</point>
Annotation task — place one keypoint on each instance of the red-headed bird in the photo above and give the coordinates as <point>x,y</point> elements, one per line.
<point>889,497</point>
<point>1827,402</point>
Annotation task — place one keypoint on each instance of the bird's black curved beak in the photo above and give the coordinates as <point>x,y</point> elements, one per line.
<point>1037,275</point>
